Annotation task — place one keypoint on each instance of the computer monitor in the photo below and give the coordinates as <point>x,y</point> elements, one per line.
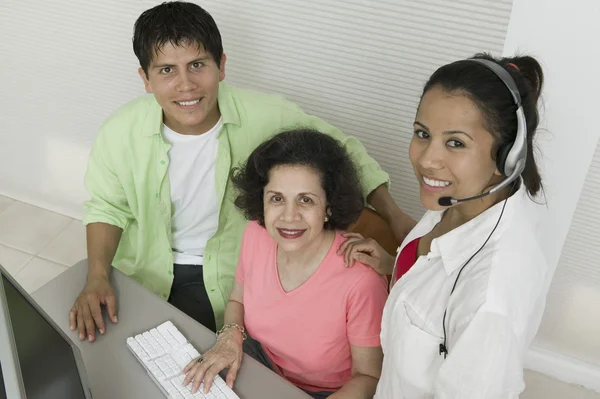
<point>37,360</point>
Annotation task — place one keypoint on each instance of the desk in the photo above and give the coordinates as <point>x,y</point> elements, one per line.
<point>112,370</point>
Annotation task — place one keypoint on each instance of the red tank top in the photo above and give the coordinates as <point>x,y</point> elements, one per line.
<point>407,258</point>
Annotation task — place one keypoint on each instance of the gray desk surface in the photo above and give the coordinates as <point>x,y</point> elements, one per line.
<point>112,370</point>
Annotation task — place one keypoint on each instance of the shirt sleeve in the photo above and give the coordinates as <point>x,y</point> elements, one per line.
<point>108,203</point>
<point>485,360</point>
<point>371,173</point>
<point>244,251</point>
<point>365,309</point>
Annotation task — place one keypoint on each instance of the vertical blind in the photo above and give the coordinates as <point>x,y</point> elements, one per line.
<point>360,65</point>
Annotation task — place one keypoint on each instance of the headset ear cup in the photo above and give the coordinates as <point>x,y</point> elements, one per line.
<point>501,159</point>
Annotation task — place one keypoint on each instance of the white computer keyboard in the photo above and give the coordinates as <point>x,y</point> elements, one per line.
<point>164,352</point>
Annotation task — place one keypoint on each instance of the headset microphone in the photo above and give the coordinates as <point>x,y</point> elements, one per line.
<point>449,201</point>
<point>511,158</point>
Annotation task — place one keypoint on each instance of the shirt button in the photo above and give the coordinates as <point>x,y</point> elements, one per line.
<point>156,195</point>
<point>170,272</point>
<point>162,162</point>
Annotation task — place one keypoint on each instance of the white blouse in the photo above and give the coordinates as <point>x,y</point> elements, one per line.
<point>492,316</point>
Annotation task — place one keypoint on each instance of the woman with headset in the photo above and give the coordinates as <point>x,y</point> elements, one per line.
<point>468,284</point>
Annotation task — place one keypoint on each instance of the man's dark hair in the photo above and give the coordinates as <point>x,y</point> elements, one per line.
<point>178,23</point>
<point>305,147</point>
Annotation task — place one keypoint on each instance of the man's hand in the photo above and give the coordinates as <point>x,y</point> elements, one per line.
<point>86,313</point>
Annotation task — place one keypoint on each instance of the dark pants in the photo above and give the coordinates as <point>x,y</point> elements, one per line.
<point>189,295</point>
<point>254,349</point>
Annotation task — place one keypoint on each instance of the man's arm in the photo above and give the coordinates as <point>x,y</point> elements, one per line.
<point>102,243</point>
<point>86,313</point>
<point>106,215</point>
<point>400,223</point>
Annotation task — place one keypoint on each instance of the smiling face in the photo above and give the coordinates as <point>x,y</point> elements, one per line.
<point>295,207</point>
<point>451,150</point>
<point>185,82</point>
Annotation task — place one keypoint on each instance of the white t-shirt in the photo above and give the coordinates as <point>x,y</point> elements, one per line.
<point>195,216</point>
<point>492,316</point>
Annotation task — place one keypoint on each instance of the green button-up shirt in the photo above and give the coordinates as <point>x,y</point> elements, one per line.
<point>129,185</point>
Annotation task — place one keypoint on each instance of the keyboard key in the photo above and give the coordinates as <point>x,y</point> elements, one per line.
<point>219,382</point>
<point>167,385</point>
<point>179,380</point>
<point>159,375</point>
<point>179,337</point>
<point>164,327</point>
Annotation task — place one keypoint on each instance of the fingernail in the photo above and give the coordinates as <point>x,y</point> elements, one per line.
<point>116,319</point>
<point>102,331</point>
<point>90,337</point>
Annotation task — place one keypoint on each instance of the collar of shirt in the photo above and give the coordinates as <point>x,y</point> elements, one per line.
<point>154,118</point>
<point>456,246</point>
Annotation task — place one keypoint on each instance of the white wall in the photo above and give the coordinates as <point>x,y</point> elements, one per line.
<point>65,66</point>
<point>564,35</point>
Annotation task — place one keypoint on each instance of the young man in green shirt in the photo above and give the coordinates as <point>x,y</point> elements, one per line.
<point>161,207</point>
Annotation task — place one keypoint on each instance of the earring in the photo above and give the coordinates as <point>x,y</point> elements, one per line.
<point>326,218</point>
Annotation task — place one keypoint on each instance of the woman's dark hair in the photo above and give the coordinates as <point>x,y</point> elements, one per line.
<point>495,102</point>
<point>178,23</point>
<point>306,147</point>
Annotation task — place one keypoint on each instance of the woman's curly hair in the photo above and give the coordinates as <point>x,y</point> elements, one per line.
<point>307,147</point>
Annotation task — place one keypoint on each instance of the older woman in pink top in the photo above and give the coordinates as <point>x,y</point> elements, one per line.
<point>312,320</point>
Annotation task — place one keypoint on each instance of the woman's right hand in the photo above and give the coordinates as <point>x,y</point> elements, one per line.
<point>367,251</point>
<point>227,352</point>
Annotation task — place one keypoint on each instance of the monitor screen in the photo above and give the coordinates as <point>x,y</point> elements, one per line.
<point>47,362</point>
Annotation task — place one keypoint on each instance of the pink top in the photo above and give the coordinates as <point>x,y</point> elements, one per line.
<point>307,332</point>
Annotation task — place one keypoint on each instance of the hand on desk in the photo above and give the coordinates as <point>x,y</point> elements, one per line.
<point>227,352</point>
<point>86,313</point>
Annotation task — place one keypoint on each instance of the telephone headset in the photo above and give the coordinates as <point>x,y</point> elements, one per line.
<point>510,161</point>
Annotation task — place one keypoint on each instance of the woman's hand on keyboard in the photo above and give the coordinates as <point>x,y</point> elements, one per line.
<point>227,352</point>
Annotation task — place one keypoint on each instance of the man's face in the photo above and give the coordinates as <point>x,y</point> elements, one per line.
<point>185,81</point>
